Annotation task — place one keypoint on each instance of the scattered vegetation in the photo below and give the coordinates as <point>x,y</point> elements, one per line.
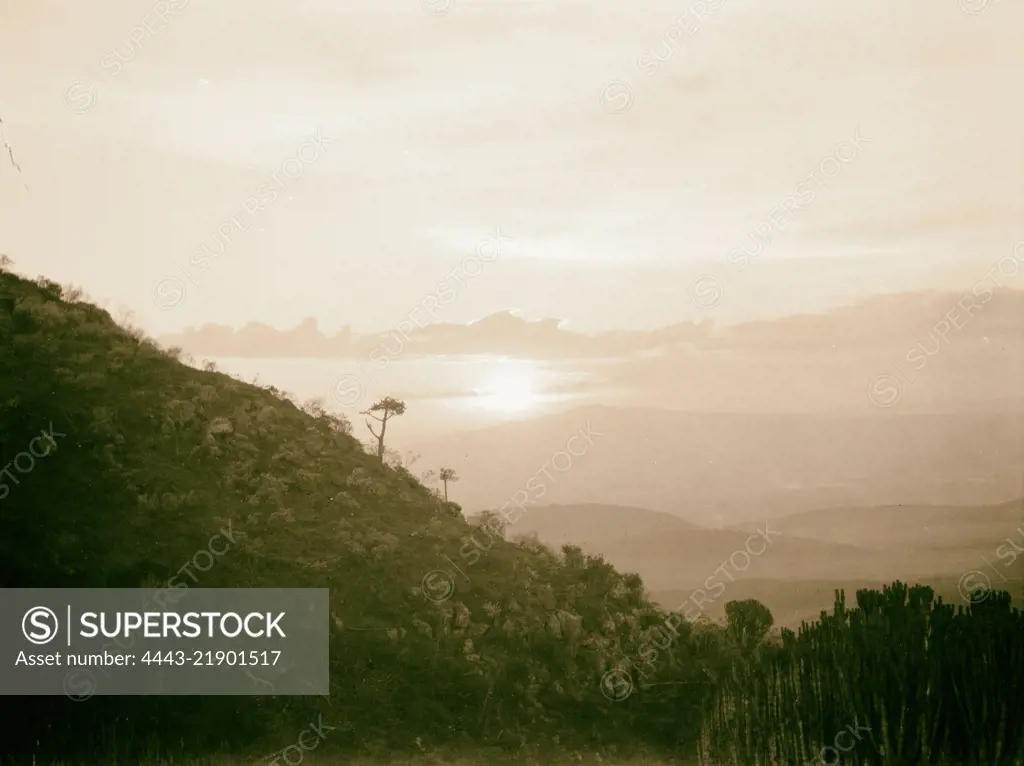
<point>901,679</point>
<point>157,456</point>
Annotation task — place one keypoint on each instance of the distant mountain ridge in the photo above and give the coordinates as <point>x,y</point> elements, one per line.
<point>916,526</point>
<point>674,556</point>
<point>593,524</point>
<point>724,468</point>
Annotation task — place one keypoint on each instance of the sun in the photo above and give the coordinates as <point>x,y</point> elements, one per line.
<point>510,390</point>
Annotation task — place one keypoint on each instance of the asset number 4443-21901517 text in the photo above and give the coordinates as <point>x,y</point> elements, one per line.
<point>219,657</point>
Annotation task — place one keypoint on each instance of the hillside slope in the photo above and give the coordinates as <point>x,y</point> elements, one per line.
<point>153,457</point>
<point>860,547</point>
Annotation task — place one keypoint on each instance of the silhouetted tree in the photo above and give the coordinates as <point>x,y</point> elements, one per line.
<point>448,475</point>
<point>748,622</point>
<point>382,411</point>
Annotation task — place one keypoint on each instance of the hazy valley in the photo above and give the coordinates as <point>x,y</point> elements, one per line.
<point>627,384</point>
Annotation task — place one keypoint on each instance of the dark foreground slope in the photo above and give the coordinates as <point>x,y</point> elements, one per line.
<point>150,458</point>
<point>145,459</point>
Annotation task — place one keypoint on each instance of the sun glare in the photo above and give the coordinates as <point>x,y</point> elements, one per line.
<point>511,390</point>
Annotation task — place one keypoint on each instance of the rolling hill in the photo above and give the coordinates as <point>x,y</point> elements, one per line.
<point>593,526</point>
<point>148,457</point>
<point>907,526</point>
<point>726,468</point>
<point>855,546</point>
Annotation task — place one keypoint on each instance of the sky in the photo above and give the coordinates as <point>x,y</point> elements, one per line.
<point>918,353</point>
<point>778,158</point>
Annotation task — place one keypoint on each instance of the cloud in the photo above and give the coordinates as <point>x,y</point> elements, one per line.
<point>882,324</point>
<point>502,333</point>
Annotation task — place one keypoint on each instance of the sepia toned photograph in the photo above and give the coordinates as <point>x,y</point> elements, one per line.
<point>458,382</point>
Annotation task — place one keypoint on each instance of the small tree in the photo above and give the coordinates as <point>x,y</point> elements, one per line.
<point>69,293</point>
<point>382,411</point>
<point>447,475</point>
<point>493,521</point>
<point>333,422</point>
<point>748,622</point>
<point>398,461</point>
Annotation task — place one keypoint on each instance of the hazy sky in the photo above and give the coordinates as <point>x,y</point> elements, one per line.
<point>445,125</point>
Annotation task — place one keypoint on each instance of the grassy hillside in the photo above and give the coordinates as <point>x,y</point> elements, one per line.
<point>153,457</point>
<point>121,462</point>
